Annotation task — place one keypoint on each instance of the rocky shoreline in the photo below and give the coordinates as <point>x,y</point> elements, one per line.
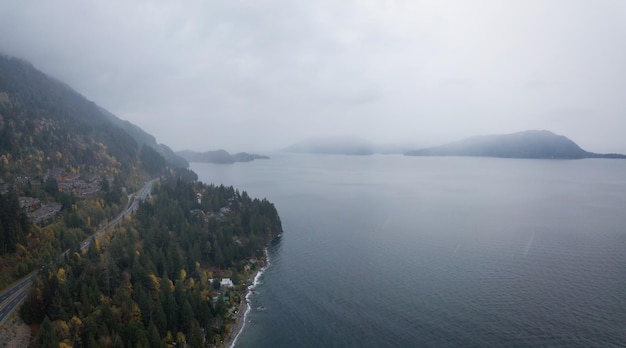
<point>244,306</point>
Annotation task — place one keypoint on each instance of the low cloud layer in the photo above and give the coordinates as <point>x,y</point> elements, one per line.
<point>259,75</point>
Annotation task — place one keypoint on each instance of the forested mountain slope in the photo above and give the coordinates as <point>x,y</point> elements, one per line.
<point>64,167</point>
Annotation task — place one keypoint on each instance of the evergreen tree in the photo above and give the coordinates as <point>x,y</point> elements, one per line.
<point>47,337</point>
<point>195,337</point>
<point>153,336</point>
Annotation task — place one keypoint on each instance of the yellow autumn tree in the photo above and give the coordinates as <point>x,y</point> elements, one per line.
<point>155,285</point>
<point>76,326</point>
<point>61,329</point>
<point>180,338</point>
<point>61,275</point>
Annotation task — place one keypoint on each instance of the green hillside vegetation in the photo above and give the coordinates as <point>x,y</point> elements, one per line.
<point>14,224</point>
<point>146,284</point>
<point>65,162</point>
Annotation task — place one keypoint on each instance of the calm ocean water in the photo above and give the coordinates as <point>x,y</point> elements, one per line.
<point>394,251</point>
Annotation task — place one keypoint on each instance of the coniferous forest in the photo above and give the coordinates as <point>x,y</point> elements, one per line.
<point>172,273</point>
<point>154,281</point>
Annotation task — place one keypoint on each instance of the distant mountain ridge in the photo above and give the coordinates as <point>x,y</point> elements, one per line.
<point>334,145</point>
<point>219,156</point>
<point>540,144</point>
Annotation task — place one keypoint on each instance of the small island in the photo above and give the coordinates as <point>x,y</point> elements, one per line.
<point>537,144</point>
<point>219,156</point>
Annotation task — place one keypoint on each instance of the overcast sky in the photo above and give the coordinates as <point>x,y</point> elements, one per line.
<point>261,74</point>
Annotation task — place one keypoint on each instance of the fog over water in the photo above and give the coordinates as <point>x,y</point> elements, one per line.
<point>383,251</point>
<point>388,251</point>
<point>261,75</point>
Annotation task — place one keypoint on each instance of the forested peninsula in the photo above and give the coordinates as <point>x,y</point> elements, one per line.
<point>175,273</point>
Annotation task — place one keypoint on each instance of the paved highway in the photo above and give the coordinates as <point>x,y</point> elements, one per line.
<point>19,285</point>
<point>10,303</point>
<point>11,298</point>
<point>133,205</point>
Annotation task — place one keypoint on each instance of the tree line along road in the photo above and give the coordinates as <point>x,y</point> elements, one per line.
<point>12,297</point>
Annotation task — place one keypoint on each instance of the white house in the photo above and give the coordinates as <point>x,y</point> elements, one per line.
<point>226,282</point>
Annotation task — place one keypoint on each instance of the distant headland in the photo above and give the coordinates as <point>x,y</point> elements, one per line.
<point>219,156</point>
<point>340,145</point>
<point>539,144</point>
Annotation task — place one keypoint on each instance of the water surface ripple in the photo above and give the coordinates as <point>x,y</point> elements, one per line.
<point>393,251</point>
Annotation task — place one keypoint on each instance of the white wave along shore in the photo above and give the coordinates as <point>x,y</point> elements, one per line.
<point>255,282</point>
